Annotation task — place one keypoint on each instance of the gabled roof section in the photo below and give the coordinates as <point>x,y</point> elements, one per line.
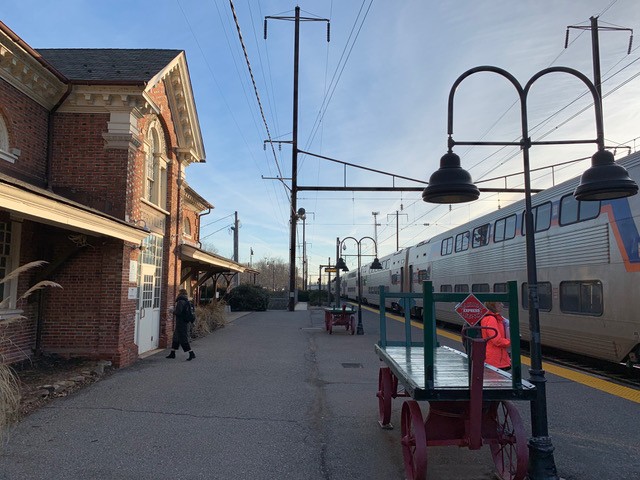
<point>90,69</point>
<point>194,199</point>
<point>183,106</point>
<point>109,65</point>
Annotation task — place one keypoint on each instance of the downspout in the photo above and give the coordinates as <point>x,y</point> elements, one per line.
<point>176,273</point>
<point>200,224</point>
<point>49,162</point>
<point>47,185</point>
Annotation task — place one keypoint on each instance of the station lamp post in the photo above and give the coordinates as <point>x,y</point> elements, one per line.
<point>604,180</point>
<point>302,215</point>
<point>375,265</point>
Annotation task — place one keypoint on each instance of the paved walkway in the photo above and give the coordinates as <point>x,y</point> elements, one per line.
<point>273,396</point>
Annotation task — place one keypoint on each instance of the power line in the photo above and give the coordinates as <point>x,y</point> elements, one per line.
<point>255,87</point>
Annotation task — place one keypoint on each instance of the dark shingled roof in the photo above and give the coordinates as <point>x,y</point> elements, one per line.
<point>108,64</point>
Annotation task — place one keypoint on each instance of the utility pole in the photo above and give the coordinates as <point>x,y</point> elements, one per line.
<point>397,214</point>
<point>235,246</point>
<point>375,225</point>
<point>294,144</point>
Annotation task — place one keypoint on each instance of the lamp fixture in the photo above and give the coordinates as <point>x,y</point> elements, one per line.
<point>376,265</point>
<point>450,183</point>
<point>340,265</point>
<point>605,180</point>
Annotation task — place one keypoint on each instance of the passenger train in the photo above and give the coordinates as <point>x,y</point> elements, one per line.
<point>588,267</point>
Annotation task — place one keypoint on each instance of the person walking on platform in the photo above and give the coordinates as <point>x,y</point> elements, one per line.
<point>181,332</point>
<point>498,347</point>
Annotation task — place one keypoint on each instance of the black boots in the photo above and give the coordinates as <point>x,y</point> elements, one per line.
<point>173,355</point>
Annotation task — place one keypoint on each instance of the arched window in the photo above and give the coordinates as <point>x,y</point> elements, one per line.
<point>155,168</point>
<point>6,152</point>
<point>186,227</point>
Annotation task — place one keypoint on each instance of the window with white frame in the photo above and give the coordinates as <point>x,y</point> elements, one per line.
<point>9,250</point>
<point>5,254</point>
<point>155,168</point>
<point>6,152</point>
<point>186,227</point>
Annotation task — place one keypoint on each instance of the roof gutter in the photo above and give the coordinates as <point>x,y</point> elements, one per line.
<point>16,39</point>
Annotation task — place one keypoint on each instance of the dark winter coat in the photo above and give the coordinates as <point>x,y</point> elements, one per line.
<point>181,308</point>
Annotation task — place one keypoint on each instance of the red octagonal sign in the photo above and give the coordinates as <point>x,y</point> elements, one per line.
<point>471,310</point>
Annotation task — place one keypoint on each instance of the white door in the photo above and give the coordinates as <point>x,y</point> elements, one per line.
<point>147,317</point>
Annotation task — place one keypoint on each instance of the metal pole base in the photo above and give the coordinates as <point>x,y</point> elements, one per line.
<point>541,463</point>
<point>359,328</point>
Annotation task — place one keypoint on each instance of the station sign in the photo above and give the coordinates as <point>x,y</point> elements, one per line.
<point>330,269</point>
<point>471,310</point>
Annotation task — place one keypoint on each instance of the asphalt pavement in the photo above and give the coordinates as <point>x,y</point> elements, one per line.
<point>270,396</point>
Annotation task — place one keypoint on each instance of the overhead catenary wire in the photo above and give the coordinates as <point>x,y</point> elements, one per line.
<point>222,94</point>
<point>255,87</point>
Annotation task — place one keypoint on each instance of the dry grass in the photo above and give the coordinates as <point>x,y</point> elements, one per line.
<point>9,399</point>
<point>209,318</point>
<point>9,389</point>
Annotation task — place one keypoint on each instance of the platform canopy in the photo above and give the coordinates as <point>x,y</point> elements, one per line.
<point>42,206</point>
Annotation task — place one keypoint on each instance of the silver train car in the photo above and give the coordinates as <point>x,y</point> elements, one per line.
<point>588,266</point>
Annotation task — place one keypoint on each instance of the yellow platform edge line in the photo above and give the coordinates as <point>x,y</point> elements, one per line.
<point>584,379</point>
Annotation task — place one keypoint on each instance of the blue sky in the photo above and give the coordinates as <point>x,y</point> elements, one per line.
<point>380,88</point>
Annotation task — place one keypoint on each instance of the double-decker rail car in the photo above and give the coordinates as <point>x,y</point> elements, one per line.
<point>588,267</point>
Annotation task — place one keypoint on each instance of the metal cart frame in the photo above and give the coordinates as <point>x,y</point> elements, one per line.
<point>469,401</point>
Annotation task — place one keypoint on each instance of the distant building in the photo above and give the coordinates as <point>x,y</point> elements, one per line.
<point>94,145</point>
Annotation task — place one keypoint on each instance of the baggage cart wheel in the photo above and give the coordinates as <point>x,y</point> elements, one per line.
<point>414,441</point>
<point>510,453</point>
<point>385,393</point>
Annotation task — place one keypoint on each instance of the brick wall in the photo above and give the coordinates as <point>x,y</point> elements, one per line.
<point>83,169</point>
<point>91,316</point>
<point>27,124</point>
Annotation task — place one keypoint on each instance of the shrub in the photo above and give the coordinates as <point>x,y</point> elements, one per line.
<point>248,297</point>
<point>318,297</point>
<point>209,318</point>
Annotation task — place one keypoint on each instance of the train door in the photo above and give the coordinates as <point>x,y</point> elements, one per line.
<point>410,279</point>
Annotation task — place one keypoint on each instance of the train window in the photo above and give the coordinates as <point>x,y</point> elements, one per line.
<point>446,289</point>
<point>480,288</point>
<point>462,242</point>
<point>424,275</point>
<point>480,236</point>
<point>504,229</point>
<point>500,287</point>
<point>544,296</point>
<point>541,217</point>
<point>582,297</point>
<point>447,246</point>
<point>461,288</point>
<point>573,211</point>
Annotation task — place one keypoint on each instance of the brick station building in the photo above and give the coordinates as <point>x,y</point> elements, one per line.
<point>94,148</point>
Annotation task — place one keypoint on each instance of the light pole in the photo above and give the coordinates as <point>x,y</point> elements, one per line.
<point>375,265</point>
<point>273,275</point>
<point>302,215</point>
<point>375,225</point>
<point>604,180</point>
